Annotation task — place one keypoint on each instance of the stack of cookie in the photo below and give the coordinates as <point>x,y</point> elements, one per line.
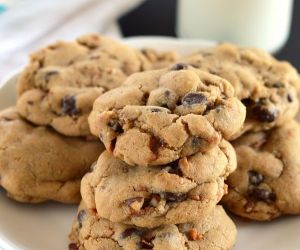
<point>170,136</point>
<point>265,184</point>
<point>46,145</point>
<point>158,183</point>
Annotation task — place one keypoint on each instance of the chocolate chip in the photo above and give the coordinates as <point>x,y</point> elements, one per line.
<point>167,93</point>
<point>146,243</point>
<point>174,197</point>
<point>156,110</point>
<point>73,246</point>
<point>255,178</point>
<point>277,85</point>
<point>259,111</point>
<point>289,98</point>
<point>130,231</point>
<point>175,168</point>
<point>193,98</point>
<point>247,102</point>
<point>68,105</point>
<point>260,194</point>
<point>155,145</point>
<point>196,142</point>
<point>263,114</point>
<point>179,66</point>
<point>49,74</point>
<point>115,126</point>
<point>80,217</point>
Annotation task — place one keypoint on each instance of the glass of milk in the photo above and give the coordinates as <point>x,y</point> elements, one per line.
<point>260,23</point>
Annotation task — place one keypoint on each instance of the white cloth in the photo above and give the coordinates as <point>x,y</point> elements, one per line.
<point>31,24</point>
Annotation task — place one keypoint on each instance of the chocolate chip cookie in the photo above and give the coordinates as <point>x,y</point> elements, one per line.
<point>182,191</point>
<point>266,86</point>
<point>158,116</point>
<point>160,59</point>
<point>38,164</point>
<point>266,182</point>
<point>91,232</point>
<point>61,82</point>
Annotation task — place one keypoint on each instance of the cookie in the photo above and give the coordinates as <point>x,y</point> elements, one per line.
<point>89,231</point>
<point>266,182</point>
<point>38,164</point>
<point>266,86</point>
<point>178,192</point>
<point>160,59</point>
<point>159,116</point>
<point>61,82</point>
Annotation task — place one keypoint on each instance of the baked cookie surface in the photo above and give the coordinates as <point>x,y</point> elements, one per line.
<point>266,86</point>
<point>179,192</point>
<point>38,164</point>
<point>158,116</point>
<point>61,81</point>
<point>266,182</point>
<point>89,231</point>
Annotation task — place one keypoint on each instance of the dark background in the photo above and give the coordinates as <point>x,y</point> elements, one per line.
<point>157,17</point>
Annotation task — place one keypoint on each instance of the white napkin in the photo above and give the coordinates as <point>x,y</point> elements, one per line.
<point>31,24</point>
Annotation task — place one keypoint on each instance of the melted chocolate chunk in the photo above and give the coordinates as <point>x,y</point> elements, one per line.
<point>115,126</point>
<point>174,197</point>
<point>167,93</point>
<point>193,98</point>
<point>289,98</point>
<point>247,102</point>
<point>255,178</point>
<point>80,217</point>
<point>175,169</point>
<point>68,106</point>
<point>263,114</point>
<point>259,111</point>
<point>154,145</point>
<point>179,66</point>
<point>260,194</point>
<point>130,231</point>
<point>73,246</point>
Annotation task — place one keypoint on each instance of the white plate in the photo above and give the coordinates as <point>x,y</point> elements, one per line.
<point>46,226</point>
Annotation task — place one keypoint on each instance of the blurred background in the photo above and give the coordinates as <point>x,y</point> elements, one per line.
<point>26,25</point>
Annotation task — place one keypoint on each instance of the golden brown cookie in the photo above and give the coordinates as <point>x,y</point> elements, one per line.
<point>266,182</point>
<point>61,82</point>
<point>266,86</point>
<point>38,164</point>
<point>178,192</point>
<point>158,116</point>
<point>91,232</point>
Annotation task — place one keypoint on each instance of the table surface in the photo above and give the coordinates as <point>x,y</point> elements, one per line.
<point>141,22</point>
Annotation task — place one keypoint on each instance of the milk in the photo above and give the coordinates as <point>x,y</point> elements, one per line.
<point>259,23</point>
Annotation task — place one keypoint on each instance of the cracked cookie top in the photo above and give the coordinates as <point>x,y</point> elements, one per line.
<point>61,82</point>
<point>266,182</point>
<point>158,116</point>
<point>266,86</point>
<point>92,232</point>
<point>38,164</point>
<point>182,191</point>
